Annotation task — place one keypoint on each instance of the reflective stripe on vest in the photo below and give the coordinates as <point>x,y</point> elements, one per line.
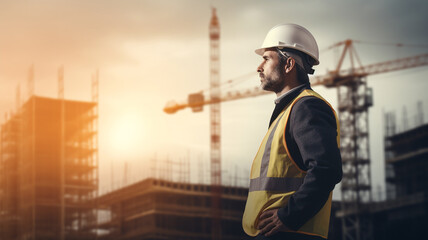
<point>275,177</point>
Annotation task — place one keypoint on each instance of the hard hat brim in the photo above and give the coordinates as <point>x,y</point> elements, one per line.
<point>260,52</point>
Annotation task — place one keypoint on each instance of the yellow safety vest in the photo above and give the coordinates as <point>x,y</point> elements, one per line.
<point>275,177</point>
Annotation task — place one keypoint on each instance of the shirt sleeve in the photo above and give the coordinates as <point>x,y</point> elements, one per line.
<point>312,143</point>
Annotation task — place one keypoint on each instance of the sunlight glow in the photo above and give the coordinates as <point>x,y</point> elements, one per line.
<point>127,134</point>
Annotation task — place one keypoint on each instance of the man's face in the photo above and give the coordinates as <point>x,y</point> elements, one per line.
<point>272,77</point>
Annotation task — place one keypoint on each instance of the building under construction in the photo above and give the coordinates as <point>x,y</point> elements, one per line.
<point>159,209</point>
<point>404,214</point>
<point>49,170</point>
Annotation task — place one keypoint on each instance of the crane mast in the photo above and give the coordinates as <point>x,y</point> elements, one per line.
<point>354,99</point>
<point>215,126</point>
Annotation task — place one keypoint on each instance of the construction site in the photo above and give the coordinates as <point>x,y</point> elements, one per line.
<point>49,164</point>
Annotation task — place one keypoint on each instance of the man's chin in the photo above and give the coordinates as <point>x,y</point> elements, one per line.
<point>264,87</point>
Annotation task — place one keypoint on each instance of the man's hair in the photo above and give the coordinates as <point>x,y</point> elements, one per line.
<point>302,75</point>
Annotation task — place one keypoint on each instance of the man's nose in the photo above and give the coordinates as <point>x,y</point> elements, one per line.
<point>260,68</point>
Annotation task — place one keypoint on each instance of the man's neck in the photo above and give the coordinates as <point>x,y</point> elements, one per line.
<point>280,97</point>
<point>287,88</point>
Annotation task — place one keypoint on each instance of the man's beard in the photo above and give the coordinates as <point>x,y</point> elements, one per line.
<point>275,81</point>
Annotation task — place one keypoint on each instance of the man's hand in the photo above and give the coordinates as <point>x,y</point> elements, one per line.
<point>269,223</point>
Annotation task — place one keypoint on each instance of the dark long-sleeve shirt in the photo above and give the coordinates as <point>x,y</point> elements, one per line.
<point>311,140</point>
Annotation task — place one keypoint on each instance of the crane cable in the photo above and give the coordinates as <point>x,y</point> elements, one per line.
<point>393,44</point>
<point>231,82</point>
<point>375,43</point>
<point>237,80</point>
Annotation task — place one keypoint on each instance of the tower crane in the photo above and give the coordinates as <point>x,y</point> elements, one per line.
<point>354,99</point>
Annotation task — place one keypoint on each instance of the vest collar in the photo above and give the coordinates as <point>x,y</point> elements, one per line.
<point>282,101</point>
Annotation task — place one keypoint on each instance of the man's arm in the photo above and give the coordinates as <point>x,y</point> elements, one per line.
<point>312,133</point>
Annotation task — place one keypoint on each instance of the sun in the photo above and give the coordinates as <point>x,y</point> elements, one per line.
<point>127,134</point>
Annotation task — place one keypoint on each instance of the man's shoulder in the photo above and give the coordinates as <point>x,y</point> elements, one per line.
<point>308,108</point>
<point>311,102</point>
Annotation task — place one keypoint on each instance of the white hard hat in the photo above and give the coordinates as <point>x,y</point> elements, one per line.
<point>291,36</point>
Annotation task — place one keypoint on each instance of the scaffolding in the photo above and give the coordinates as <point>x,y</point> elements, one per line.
<point>404,214</point>
<point>49,170</point>
<point>9,223</point>
<point>406,159</point>
<point>161,209</point>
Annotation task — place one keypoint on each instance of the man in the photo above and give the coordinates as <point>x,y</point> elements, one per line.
<point>298,163</point>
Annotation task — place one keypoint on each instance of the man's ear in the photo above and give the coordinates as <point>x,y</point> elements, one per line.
<point>289,65</point>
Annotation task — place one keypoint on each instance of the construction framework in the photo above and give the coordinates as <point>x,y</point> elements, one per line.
<point>159,209</point>
<point>406,158</point>
<point>49,169</point>
<point>404,213</point>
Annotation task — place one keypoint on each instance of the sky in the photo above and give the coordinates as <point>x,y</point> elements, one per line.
<point>151,51</point>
